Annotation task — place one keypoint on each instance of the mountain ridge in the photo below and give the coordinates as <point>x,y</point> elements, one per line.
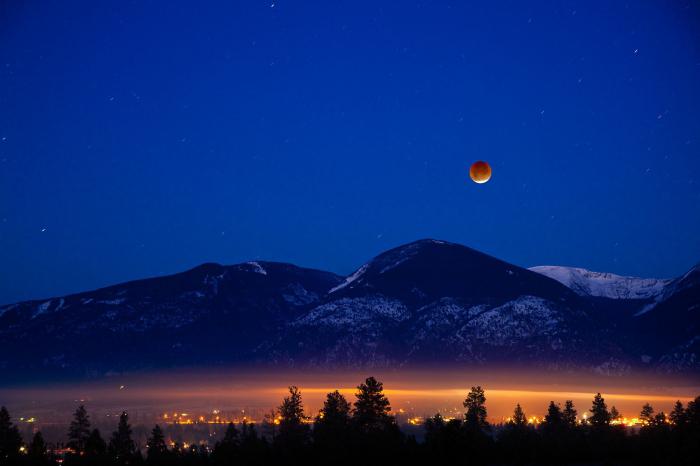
<point>425,302</point>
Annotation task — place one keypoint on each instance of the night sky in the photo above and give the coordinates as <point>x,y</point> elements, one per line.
<point>144,138</point>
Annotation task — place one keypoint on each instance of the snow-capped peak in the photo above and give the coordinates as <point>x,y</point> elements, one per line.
<point>607,285</point>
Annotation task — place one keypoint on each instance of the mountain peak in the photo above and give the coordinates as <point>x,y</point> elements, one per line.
<point>430,268</point>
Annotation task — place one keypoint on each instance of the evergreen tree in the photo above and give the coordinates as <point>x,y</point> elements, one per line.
<point>518,418</point>
<point>600,416</point>
<point>252,448</point>
<point>335,411</point>
<point>372,407</point>
<point>37,447</point>
<point>475,417</point>
<point>678,415</point>
<point>692,413</point>
<point>647,415</point>
<point>293,432</point>
<point>231,436</point>
<point>332,423</point>
<point>226,450</point>
<point>291,411</point>
<point>614,414</point>
<point>121,445</point>
<point>553,419</point>
<point>10,439</point>
<point>95,445</point>
<point>433,428</point>
<point>569,414</point>
<point>79,430</point>
<point>516,439</point>
<point>157,448</point>
<point>37,451</point>
<point>660,420</point>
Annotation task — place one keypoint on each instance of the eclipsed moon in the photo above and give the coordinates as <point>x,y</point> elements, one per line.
<point>480,172</point>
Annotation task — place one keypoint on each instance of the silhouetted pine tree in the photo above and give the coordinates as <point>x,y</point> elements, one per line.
<point>332,425</point>
<point>157,450</point>
<point>227,449</point>
<point>600,417</point>
<point>293,434</point>
<point>553,420</point>
<point>614,414</point>
<point>518,419</point>
<point>95,449</point>
<point>678,414</point>
<point>10,439</point>
<point>372,408</point>
<point>606,443</point>
<point>516,439</point>
<point>79,430</point>
<point>552,432</point>
<point>37,447</point>
<point>476,427</point>
<point>37,452</point>
<point>475,417</point>
<point>433,427</point>
<point>688,435</point>
<point>121,445</point>
<point>569,414</point>
<point>647,415</point>
<point>375,431</point>
<point>660,420</point>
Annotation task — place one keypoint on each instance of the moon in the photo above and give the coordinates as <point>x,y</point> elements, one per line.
<point>480,172</point>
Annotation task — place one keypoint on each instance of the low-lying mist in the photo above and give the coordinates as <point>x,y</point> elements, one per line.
<point>211,396</point>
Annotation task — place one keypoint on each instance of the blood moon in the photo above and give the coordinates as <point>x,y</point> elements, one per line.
<point>480,172</point>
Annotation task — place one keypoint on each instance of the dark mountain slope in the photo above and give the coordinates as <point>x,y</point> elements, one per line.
<point>209,314</point>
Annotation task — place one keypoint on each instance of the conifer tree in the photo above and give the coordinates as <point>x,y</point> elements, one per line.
<point>554,418</point>
<point>157,448</point>
<point>647,415</point>
<point>433,425</point>
<point>569,414</point>
<point>121,445</point>
<point>678,415</point>
<point>614,414</point>
<point>335,411</point>
<point>600,416</point>
<point>37,449</point>
<point>518,418</point>
<point>231,436</point>
<point>334,418</point>
<point>291,410</point>
<point>79,430</point>
<point>475,417</point>
<point>371,407</point>
<point>10,438</point>
<point>95,445</point>
<point>692,413</point>
<point>293,432</point>
<point>660,420</point>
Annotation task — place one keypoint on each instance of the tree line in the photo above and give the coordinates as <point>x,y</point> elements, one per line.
<point>365,431</point>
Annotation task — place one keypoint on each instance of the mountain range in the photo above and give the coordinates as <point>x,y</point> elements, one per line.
<point>427,303</point>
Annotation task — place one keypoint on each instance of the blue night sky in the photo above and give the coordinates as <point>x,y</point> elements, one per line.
<point>144,138</point>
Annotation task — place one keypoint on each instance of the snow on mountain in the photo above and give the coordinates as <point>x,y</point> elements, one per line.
<point>350,279</point>
<point>424,303</point>
<point>602,284</point>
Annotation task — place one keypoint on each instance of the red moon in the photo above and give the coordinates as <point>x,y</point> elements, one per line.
<point>480,172</point>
